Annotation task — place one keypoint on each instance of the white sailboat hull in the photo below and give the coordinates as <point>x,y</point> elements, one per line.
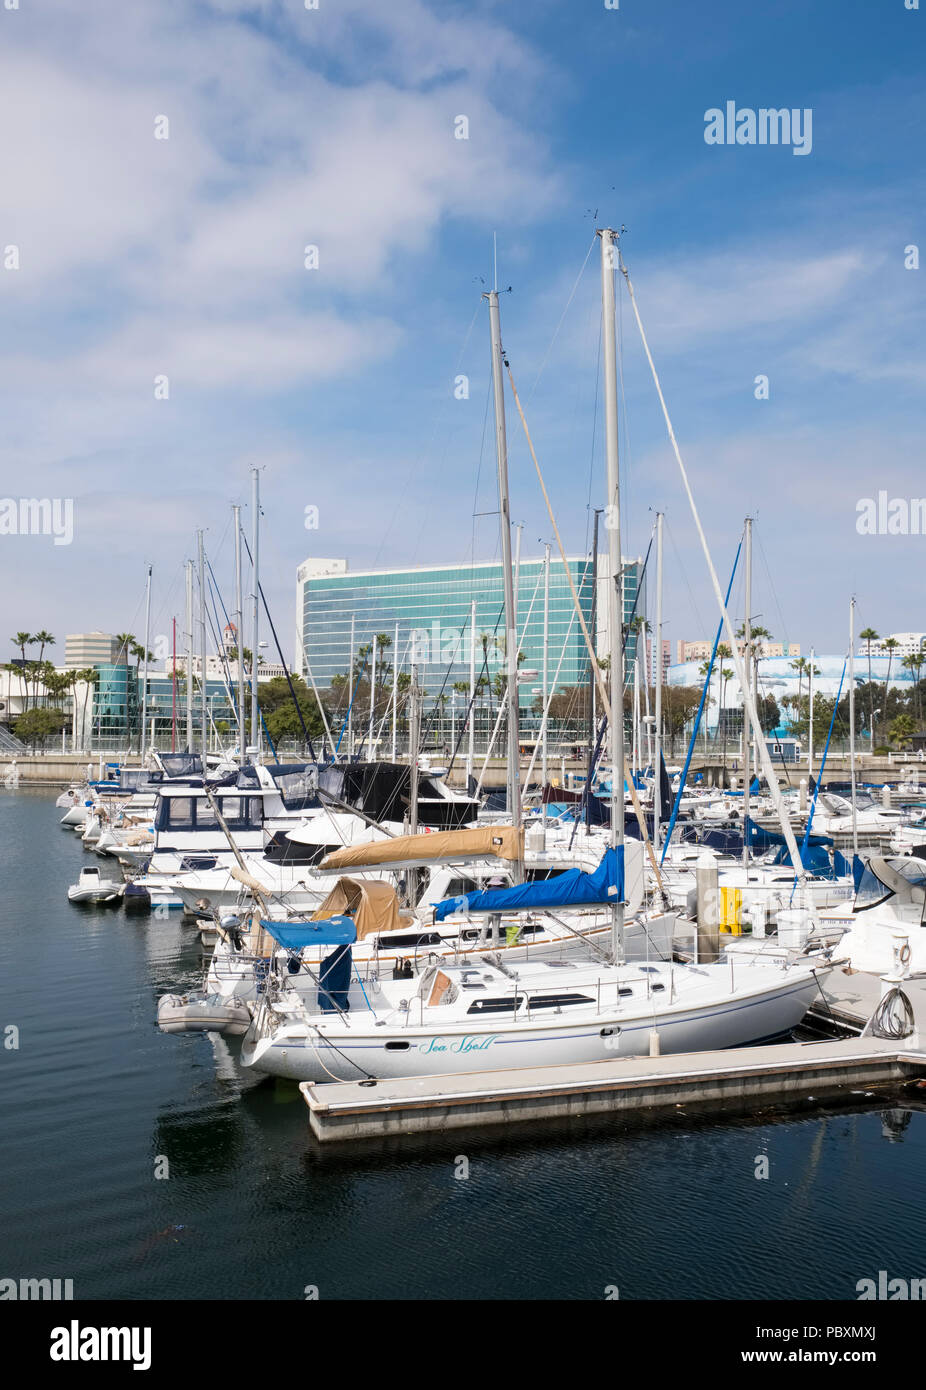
<point>335,1051</point>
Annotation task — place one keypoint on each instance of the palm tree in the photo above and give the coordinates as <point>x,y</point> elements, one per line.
<point>890,645</point>
<point>89,678</point>
<point>126,643</point>
<point>869,635</point>
<point>800,666</point>
<point>914,664</point>
<point>23,640</point>
<point>46,640</point>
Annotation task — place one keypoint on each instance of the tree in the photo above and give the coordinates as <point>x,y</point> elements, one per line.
<point>89,678</point>
<point>902,730</point>
<point>45,639</point>
<point>279,712</point>
<point>36,726</point>
<point>800,666</point>
<point>768,712</point>
<point>23,640</point>
<point>890,645</point>
<point>869,635</point>
<point>679,705</point>
<point>914,663</point>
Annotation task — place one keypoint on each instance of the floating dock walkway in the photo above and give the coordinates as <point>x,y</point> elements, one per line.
<point>734,1080</point>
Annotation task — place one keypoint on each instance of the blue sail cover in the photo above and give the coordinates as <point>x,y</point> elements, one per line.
<point>574,888</point>
<point>814,856</point>
<point>333,931</point>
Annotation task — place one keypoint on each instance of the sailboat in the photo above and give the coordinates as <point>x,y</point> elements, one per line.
<point>488,1014</point>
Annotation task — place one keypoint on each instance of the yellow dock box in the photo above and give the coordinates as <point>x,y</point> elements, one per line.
<point>731,903</point>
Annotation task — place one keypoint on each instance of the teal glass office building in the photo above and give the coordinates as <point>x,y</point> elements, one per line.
<point>115,720</point>
<point>431,607</point>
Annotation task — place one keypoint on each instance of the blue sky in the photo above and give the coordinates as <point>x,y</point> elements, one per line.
<point>335,127</point>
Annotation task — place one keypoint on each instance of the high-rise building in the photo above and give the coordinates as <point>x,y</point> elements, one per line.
<point>429,611</point>
<point>701,651</point>
<point>88,649</point>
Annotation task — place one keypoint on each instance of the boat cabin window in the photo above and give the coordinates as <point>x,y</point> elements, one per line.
<point>458,887</point>
<point>526,929</point>
<point>558,1001</point>
<point>412,939</point>
<point>195,813</point>
<point>495,1006</point>
<point>299,790</point>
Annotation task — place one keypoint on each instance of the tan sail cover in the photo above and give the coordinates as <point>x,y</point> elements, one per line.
<point>372,904</point>
<point>482,842</point>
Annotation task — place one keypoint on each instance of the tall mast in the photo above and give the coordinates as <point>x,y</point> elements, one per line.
<point>350,693</point>
<point>546,658</point>
<point>395,686</point>
<point>202,646</point>
<point>144,693</point>
<point>255,552</point>
<point>239,619</point>
<point>810,714</point>
<point>189,656</point>
<point>657,677</point>
<point>472,694</point>
<point>747,664</point>
<point>615,574</point>
<point>372,696</point>
<point>173,689</point>
<point>592,691</point>
<point>511,627</point>
<point>852,722</point>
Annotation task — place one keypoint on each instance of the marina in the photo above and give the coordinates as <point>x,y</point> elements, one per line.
<point>463,735</point>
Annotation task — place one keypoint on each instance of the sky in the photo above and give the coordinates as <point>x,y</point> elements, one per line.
<point>128,258</point>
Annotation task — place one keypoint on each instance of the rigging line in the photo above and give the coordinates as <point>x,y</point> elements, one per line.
<point>482,445</point>
<point>260,588</point>
<point>562,316</point>
<point>758,535</point>
<point>764,756</point>
<point>684,573</point>
<point>599,678</point>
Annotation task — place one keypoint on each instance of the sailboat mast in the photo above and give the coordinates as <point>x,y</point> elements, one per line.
<point>173,688</point>
<point>395,687</point>
<point>189,656</point>
<point>239,619</point>
<point>615,574</point>
<point>472,694</point>
<point>202,646</point>
<point>747,664</point>
<point>350,693</point>
<point>255,552</point>
<point>592,690</point>
<point>852,723</point>
<point>511,627</point>
<point>372,697</point>
<point>657,678</point>
<point>144,693</point>
<point>546,677</point>
<point>810,715</point>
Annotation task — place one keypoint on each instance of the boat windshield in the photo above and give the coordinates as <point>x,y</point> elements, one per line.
<point>872,891</point>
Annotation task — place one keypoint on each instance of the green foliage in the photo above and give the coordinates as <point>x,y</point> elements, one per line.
<point>279,713</point>
<point>36,726</point>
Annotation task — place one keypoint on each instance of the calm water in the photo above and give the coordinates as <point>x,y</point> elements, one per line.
<point>95,1095</point>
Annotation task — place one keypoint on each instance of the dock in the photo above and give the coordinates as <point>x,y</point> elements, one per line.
<point>738,1079</point>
